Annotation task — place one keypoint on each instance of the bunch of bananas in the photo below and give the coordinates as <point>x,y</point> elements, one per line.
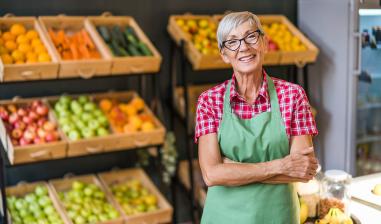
<point>335,216</point>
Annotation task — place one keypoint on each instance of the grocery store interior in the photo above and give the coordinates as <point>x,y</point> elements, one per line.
<point>98,102</point>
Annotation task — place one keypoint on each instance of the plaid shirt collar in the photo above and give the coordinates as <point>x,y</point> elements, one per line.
<point>234,95</point>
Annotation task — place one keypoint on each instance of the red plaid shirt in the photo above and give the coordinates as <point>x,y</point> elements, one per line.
<point>293,103</point>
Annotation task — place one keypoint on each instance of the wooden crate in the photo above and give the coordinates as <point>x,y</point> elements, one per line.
<point>299,58</point>
<point>94,145</point>
<point>33,71</point>
<point>162,215</point>
<point>137,139</point>
<point>126,65</point>
<point>85,68</point>
<point>62,185</point>
<point>33,152</point>
<point>22,189</point>
<point>198,60</point>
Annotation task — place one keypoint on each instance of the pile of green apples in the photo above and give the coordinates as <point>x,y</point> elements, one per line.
<point>87,203</point>
<point>80,118</point>
<point>33,208</point>
<point>133,197</point>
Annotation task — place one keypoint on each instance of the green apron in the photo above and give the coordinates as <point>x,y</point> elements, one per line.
<point>260,139</point>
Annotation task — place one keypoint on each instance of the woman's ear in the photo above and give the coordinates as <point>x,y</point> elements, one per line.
<point>265,43</point>
<point>224,57</point>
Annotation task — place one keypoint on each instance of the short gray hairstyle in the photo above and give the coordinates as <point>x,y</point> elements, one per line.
<point>232,20</point>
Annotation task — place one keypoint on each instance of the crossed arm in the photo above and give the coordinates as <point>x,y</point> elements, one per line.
<point>299,166</point>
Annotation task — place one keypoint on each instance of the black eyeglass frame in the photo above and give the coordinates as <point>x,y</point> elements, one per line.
<point>242,39</point>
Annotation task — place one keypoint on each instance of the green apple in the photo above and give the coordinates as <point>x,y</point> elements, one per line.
<point>80,124</point>
<point>89,106</point>
<point>20,204</point>
<point>103,217</point>
<point>83,99</point>
<point>102,120</point>
<point>86,116</point>
<point>87,133</point>
<point>88,191</point>
<point>92,219</point>
<point>67,127</point>
<point>93,124</point>
<point>74,135</point>
<point>77,185</point>
<point>44,201</point>
<point>97,113</point>
<point>79,220</point>
<point>65,100</point>
<point>102,131</point>
<point>41,190</point>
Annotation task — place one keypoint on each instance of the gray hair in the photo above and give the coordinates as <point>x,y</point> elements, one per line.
<point>232,20</point>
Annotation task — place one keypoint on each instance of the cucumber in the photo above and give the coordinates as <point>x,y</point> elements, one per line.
<point>130,36</point>
<point>116,48</point>
<point>103,31</point>
<point>144,49</point>
<point>133,50</point>
<point>123,52</point>
<point>114,51</point>
<point>119,36</point>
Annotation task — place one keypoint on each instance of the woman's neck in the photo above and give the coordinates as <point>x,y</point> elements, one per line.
<point>248,85</point>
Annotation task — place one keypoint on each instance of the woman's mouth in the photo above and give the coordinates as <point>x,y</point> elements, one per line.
<point>247,58</point>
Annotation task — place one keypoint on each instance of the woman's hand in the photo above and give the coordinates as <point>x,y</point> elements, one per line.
<point>301,164</point>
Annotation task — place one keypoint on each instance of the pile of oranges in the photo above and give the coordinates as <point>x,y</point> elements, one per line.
<point>19,45</point>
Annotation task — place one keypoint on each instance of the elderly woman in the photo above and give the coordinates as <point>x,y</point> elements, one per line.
<point>254,134</point>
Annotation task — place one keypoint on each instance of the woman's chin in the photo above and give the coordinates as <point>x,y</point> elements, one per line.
<point>247,68</point>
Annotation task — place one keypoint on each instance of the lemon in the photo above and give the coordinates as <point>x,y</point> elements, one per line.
<point>43,57</point>
<point>24,48</point>
<point>18,55</point>
<point>17,29</point>
<point>31,34</point>
<point>10,45</point>
<point>8,36</point>
<point>36,41</point>
<point>19,62</point>
<point>39,49</point>
<point>7,59</point>
<point>22,39</point>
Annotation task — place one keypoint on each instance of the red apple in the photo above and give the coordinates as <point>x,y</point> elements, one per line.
<point>36,103</point>
<point>21,112</point>
<point>23,141</point>
<point>51,136</point>
<point>27,120</point>
<point>29,135</point>
<point>39,140</point>
<point>33,115</point>
<point>19,125</point>
<point>49,126</point>
<point>8,127</point>
<point>41,133</point>
<point>4,115</point>
<point>16,133</point>
<point>32,127</point>
<point>13,118</point>
<point>42,110</point>
<point>41,122</point>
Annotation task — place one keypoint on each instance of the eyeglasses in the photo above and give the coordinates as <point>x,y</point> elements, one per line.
<point>250,38</point>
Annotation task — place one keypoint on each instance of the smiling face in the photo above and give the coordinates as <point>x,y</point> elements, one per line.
<point>248,58</point>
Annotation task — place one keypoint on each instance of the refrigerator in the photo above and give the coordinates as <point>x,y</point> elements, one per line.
<point>345,82</point>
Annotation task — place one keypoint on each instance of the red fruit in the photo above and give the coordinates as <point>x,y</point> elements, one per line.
<point>13,118</point>
<point>33,115</point>
<point>29,135</point>
<point>42,110</point>
<point>23,142</point>
<point>15,142</point>
<point>21,112</point>
<point>36,103</point>
<point>41,133</point>
<point>12,108</point>
<point>32,127</point>
<point>16,133</point>
<point>8,127</point>
<point>41,122</point>
<point>27,120</point>
<point>20,125</point>
<point>51,136</point>
<point>39,140</point>
<point>2,108</point>
<point>49,126</point>
<point>4,115</point>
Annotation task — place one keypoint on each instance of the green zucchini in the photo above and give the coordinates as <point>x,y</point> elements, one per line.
<point>144,49</point>
<point>133,50</point>
<point>103,31</point>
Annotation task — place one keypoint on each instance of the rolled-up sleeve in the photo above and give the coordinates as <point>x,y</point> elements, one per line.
<point>205,117</point>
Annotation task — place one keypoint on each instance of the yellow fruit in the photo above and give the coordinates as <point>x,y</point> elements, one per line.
<point>180,22</point>
<point>36,42</point>
<point>377,190</point>
<point>31,34</point>
<point>22,39</point>
<point>31,56</point>
<point>10,45</point>
<point>43,57</point>
<point>24,48</point>
<point>31,60</point>
<point>1,42</point>
<point>138,103</point>
<point>7,59</point>
<point>17,29</point>
<point>18,55</point>
<point>148,126</point>
<point>150,199</point>
<point>19,62</point>
<point>135,121</point>
<point>39,49</point>
<point>8,36</point>
<point>303,212</point>
<point>3,50</point>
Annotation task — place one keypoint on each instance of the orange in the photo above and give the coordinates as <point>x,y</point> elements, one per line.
<point>39,49</point>
<point>43,57</point>
<point>148,126</point>
<point>36,42</point>
<point>17,29</point>
<point>135,121</point>
<point>18,55</point>
<point>10,45</point>
<point>8,36</point>
<point>19,62</point>
<point>22,39</point>
<point>138,103</point>
<point>1,42</point>
<point>31,54</point>
<point>31,34</point>
<point>31,60</point>
<point>105,105</point>
<point>24,48</point>
<point>3,50</point>
<point>7,59</point>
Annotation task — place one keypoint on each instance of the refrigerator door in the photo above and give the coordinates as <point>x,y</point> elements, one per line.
<point>332,26</point>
